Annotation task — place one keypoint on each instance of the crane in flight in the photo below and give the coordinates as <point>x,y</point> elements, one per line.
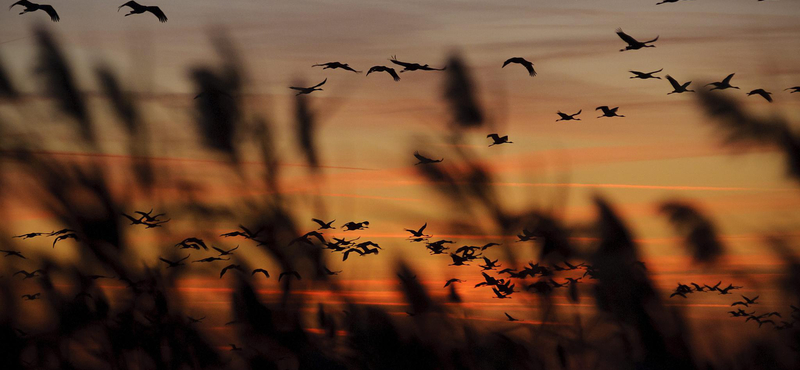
<point>568,117</point>
<point>425,160</point>
<point>521,61</point>
<point>724,84</point>
<point>608,112</point>
<point>645,75</point>
<point>677,88</point>
<point>137,8</point>
<point>634,44</point>
<point>497,139</point>
<point>308,90</point>
<point>335,65</point>
<point>32,7</point>
<point>386,69</point>
<point>763,93</point>
<point>408,67</point>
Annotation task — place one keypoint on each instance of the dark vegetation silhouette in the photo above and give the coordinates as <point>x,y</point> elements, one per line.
<point>147,325</point>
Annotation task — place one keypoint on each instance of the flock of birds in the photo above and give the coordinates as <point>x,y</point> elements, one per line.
<point>764,318</point>
<point>136,8</point>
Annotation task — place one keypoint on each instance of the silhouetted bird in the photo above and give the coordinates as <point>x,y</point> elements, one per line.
<point>261,271</point>
<point>420,232</point>
<point>246,233</point>
<point>309,90</point>
<point>331,273</point>
<point>225,252</point>
<point>149,217</point>
<point>497,139</point>
<point>211,259</point>
<point>454,280</point>
<point>388,70</point>
<point>750,301</point>
<point>192,243</point>
<point>335,65</point>
<point>13,253</point>
<point>28,275</point>
<point>61,232</point>
<point>174,263</point>
<point>32,7</point>
<point>407,67</point>
<point>350,226</point>
<point>305,238</point>
<point>289,273</point>
<point>678,293</point>
<point>323,225</point>
<point>678,88</point>
<point>764,94</point>
<point>195,321</point>
<point>509,317</point>
<point>140,9</point>
<point>668,1</point>
<point>488,245</point>
<point>64,237</point>
<point>528,65</point>
<point>634,44</point>
<point>28,235</point>
<point>568,117</point>
<point>526,235</point>
<point>31,297</point>
<point>489,264</point>
<point>499,294</point>
<point>458,260</point>
<point>425,160</point>
<point>724,84</point>
<point>226,268</point>
<point>644,76</point>
<point>794,89</point>
<point>608,112</point>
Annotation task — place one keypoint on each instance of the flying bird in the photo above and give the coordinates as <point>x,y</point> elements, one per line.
<point>608,112</point>
<point>225,252</point>
<point>425,160</point>
<point>195,321</point>
<point>408,67</point>
<point>331,273</point>
<point>418,233</point>
<point>261,271</point>
<point>335,65</point>
<point>28,275</point>
<point>13,253</point>
<point>645,75</point>
<point>634,44</point>
<point>568,117</point>
<point>32,7</point>
<point>454,280</point>
<point>323,225</point>
<point>64,237</point>
<point>136,8</point>
<point>308,90</point>
<point>677,88</point>
<point>31,297</point>
<point>497,139</point>
<point>211,259</point>
<point>764,94</point>
<point>794,89</point>
<point>192,243</point>
<point>226,268</point>
<point>28,235</point>
<point>289,273</point>
<point>521,61</point>
<point>174,263</point>
<point>510,318</point>
<point>724,84</point>
<point>388,70</point>
<point>671,1</point>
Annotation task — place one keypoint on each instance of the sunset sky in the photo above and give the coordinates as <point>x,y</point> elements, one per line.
<point>369,127</point>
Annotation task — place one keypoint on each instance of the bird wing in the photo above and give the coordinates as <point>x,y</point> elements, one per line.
<point>320,84</point>
<point>319,222</point>
<point>603,107</point>
<point>157,12</point>
<point>625,37</point>
<point>51,12</point>
<point>131,218</point>
<point>167,261</point>
<point>656,71</point>
<point>404,64</point>
<point>132,4</point>
<point>579,112</point>
<point>727,80</point>
<point>508,61</point>
<point>765,95</point>
<point>392,73</point>
<point>509,316</point>
<point>422,228</point>
<point>218,250</point>
<point>297,88</point>
<point>675,84</point>
<point>421,157</point>
<point>494,137</point>
<point>653,40</point>
<point>24,3</point>
<point>529,67</point>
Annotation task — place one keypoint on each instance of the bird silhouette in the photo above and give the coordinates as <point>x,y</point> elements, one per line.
<point>751,301</point>
<point>763,93</point>
<point>510,318</point>
<point>223,252</point>
<point>489,264</point>
<point>608,112</point>
<point>28,275</point>
<point>323,225</point>
<point>149,217</point>
<point>724,84</point>
<point>61,232</point>
<point>13,253</point>
<point>28,235</point>
<point>229,267</point>
<point>31,297</point>
<point>329,272</point>
<point>289,273</point>
<point>32,7</point>
<point>335,65</point>
<point>568,117</point>
<point>386,69</point>
<point>420,232</point>
<point>645,75</point>
<point>64,237</point>
<point>211,259</point>
<point>261,271</point>
<point>425,160</point>
<point>451,281</point>
<point>192,243</point>
<point>172,264</point>
<point>497,139</point>
<point>499,294</point>
<point>246,233</point>
<point>195,321</point>
<point>521,61</point>
<point>408,67</point>
<point>794,89</point>
<point>526,235</point>
<point>488,245</point>
<point>458,260</point>
<point>308,90</point>
<point>305,238</point>
<point>634,44</point>
<point>136,8</point>
<point>677,88</point>
<point>350,226</point>
<point>670,1</point>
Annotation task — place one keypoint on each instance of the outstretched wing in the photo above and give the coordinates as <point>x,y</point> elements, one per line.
<point>422,228</point>
<point>656,71</point>
<point>51,12</point>
<point>727,80</point>
<point>393,74</point>
<point>604,108</point>
<point>579,112</point>
<point>394,60</point>
<point>24,3</point>
<point>625,37</point>
<point>494,137</point>
<point>509,61</point>
<point>529,67</point>
<point>132,4</point>
<point>675,84</point>
<point>649,41</point>
<point>157,12</point>
<point>319,84</point>
<point>421,157</point>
